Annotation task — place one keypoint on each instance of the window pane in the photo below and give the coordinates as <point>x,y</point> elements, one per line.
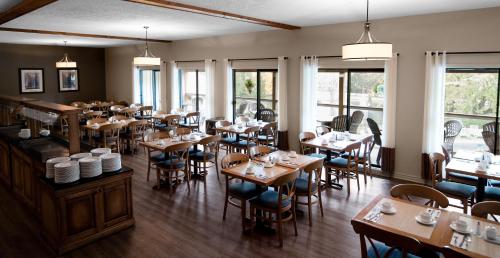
<point>245,93</point>
<point>188,90</point>
<point>202,93</point>
<point>268,91</point>
<point>327,94</point>
<point>367,96</point>
<point>471,98</point>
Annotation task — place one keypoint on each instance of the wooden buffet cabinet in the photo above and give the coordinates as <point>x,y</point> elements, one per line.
<point>69,215</point>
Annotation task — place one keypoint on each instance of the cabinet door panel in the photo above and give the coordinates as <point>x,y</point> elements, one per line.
<point>116,200</point>
<point>79,214</point>
<point>4,163</point>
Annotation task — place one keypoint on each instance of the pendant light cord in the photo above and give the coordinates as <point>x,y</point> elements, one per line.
<point>147,47</point>
<point>367,6</point>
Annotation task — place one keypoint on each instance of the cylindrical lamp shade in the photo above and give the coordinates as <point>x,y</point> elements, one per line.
<point>367,51</point>
<point>146,61</point>
<point>65,64</point>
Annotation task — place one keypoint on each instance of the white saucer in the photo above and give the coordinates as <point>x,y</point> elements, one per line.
<point>268,165</point>
<point>293,156</point>
<point>493,241</point>
<point>391,211</point>
<point>250,172</point>
<point>468,231</point>
<point>285,158</point>
<point>426,223</point>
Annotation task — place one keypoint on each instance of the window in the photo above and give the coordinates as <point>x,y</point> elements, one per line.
<point>193,90</point>
<point>149,87</point>
<point>254,91</point>
<point>346,91</point>
<point>471,98</point>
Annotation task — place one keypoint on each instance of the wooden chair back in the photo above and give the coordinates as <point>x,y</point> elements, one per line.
<point>353,149</point>
<point>93,114</point>
<point>404,244</point>
<point>259,150</point>
<point>178,152</point>
<point>193,118</point>
<point>138,127</point>
<point>270,131</point>
<point>304,137</point>
<point>99,120</point>
<point>483,209</point>
<point>489,127</point>
<point>222,123</point>
<point>314,171</point>
<point>210,144</point>
<point>182,131</point>
<point>339,123</point>
<point>117,118</point>
<point>234,159</point>
<point>286,186</point>
<point>153,136</point>
<point>436,167</point>
<point>323,129</point>
<point>435,198</point>
<point>111,135</point>
<point>252,134</point>
<point>172,120</point>
<point>367,143</point>
<point>446,154</point>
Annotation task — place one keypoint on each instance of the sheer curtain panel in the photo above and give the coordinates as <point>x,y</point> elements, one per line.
<point>210,78</point>
<point>174,85</point>
<point>308,81</point>
<point>435,72</point>
<point>228,89</point>
<point>282,103</point>
<point>389,113</point>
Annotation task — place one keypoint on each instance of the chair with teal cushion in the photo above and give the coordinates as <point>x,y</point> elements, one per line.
<point>208,154</point>
<point>250,141</point>
<point>308,185</point>
<point>492,193</point>
<point>457,177</point>
<point>281,203</point>
<point>348,168</point>
<point>177,160</point>
<point>306,150</point>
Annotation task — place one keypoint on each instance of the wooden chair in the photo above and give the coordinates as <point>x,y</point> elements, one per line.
<point>339,123</point>
<point>251,140</point>
<point>306,150</point>
<point>434,197</point>
<point>269,134</point>
<point>345,167</point>
<point>258,151</point>
<point>323,129</point>
<point>93,114</point>
<point>457,177</point>
<point>309,186</point>
<point>452,129</point>
<point>117,118</point>
<point>135,133</point>
<point>171,122</point>
<point>377,137</point>
<point>459,191</point>
<point>280,203</point>
<point>448,252</point>
<point>227,139</point>
<point>386,244</point>
<point>355,120</point>
<point>146,112</point>
<point>210,154</point>
<point>483,209</point>
<point>154,157</point>
<point>192,121</point>
<point>242,191</point>
<point>182,131</point>
<point>365,156</point>
<point>176,160</point>
<point>109,136</point>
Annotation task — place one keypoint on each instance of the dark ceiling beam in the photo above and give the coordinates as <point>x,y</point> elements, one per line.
<point>61,33</point>
<point>216,13</point>
<point>22,8</point>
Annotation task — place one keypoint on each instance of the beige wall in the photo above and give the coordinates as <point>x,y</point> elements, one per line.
<point>460,31</point>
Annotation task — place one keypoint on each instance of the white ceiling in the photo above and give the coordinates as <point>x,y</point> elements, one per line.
<point>120,18</point>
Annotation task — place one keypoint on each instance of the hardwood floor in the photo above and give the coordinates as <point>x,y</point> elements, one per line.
<point>190,225</point>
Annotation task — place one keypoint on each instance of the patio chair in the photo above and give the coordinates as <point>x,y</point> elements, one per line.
<point>377,139</point>
<point>339,123</point>
<point>452,129</point>
<point>356,120</point>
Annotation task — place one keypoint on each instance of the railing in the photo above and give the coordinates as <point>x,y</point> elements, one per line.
<point>364,108</point>
<point>461,115</point>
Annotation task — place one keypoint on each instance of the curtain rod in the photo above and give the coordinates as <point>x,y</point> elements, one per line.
<point>249,59</point>
<point>468,53</point>
<point>333,56</point>
<point>193,61</point>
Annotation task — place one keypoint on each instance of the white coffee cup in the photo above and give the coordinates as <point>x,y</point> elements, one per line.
<point>269,163</point>
<point>461,224</point>
<point>491,232</point>
<point>425,216</point>
<point>387,206</point>
<point>324,141</point>
<point>293,153</point>
<point>285,158</point>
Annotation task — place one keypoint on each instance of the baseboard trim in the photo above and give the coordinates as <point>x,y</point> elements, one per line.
<point>405,177</point>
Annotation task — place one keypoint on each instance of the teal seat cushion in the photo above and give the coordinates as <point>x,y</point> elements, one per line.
<point>201,156</point>
<point>229,140</point>
<point>317,155</point>
<point>158,158</point>
<point>265,138</point>
<point>244,190</point>
<point>383,249</point>
<point>472,179</point>
<point>269,199</point>
<point>338,162</point>
<point>171,164</point>
<point>457,189</point>
<point>492,193</point>
<point>494,182</point>
<point>244,144</point>
<point>301,184</point>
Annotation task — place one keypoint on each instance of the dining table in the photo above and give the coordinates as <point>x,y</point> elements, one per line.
<point>334,142</point>
<point>436,236</point>
<point>470,167</point>
<point>91,129</point>
<point>238,129</point>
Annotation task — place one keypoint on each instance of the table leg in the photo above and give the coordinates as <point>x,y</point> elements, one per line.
<point>330,183</point>
<point>481,184</point>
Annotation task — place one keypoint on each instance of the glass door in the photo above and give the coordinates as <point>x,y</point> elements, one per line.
<point>149,83</point>
<point>193,90</point>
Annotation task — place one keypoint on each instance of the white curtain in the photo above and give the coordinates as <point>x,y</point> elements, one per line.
<point>282,94</point>
<point>162,90</point>
<point>435,71</point>
<point>389,115</point>
<point>210,77</point>
<point>228,89</point>
<point>174,85</point>
<point>308,102</point>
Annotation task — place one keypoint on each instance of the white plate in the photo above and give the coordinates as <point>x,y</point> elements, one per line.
<point>454,227</point>
<point>493,241</point>
<point>391,211</point>
<point>268,165</point>
<point>426,223</point>
<point>293,156</point>
<point>285,158</point>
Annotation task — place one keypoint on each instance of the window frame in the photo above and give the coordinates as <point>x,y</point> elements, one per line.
<point>197,87</point>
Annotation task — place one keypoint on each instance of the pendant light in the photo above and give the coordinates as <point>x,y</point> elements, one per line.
<point>147,59</point>
<point>65,62</point>
<point>367,47</point>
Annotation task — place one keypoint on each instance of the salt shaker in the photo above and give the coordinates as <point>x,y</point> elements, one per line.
<point>478,228</point>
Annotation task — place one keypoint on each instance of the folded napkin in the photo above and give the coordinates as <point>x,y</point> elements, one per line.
<point>460,240</point>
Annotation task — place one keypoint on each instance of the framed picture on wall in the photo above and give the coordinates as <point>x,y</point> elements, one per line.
<point>68,79</point>
<point>31,80</point>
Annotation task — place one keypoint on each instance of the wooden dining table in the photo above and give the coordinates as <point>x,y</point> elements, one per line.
<point>339,145</point>
<point>92,128</point>
<point>469,167</point>
<point>286,159</point>
<point>237,130</point>
<point>434,237</point>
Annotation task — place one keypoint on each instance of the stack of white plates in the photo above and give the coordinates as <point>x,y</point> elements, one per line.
<point>111,162</point>
<point>66,172</point>
<point>49,165</point>
<point>90,167</point>
<point>100,151</point>
<point>79,156</point>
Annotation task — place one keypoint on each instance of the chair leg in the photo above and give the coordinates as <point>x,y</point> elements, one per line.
<point>348,183</point>
<point>309,209</point>
<point>294,219</point>
<point>357,178</point>
<point>252,218</point>
<point>364,170</point>
<point>465,203</point>
<point>320,202</point>
<point>149,170</point>
<point>280,229</point>
<point>158,172</point>
<point>243,213</point>
<point>225,206</point>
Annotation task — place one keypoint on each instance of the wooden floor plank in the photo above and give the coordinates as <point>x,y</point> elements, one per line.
<point>190,225</point>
